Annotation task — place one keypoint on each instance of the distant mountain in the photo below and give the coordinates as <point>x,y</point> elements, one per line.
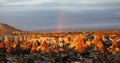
<point>7,28</point>
<point>79,30</point>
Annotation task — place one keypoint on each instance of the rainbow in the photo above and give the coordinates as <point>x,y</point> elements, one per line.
<point>59,21</point>
<point>60,17</point>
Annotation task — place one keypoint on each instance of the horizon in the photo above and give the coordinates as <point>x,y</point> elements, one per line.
<point>7,27</point>
<point>31,15</point>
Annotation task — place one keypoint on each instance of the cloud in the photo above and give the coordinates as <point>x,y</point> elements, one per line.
<point>64,5</point>
<point>24,2</point>
<point>63,2</point>
<point>44,13</point>
<point>96,25</point>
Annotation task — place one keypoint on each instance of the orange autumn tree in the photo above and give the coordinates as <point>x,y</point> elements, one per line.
<point>34,46</point>
<point>98,44</point>
<point>8,46</point>
<point>43,47</point>
<point>78,43</point>
<point>2,45</point>
<point>54,48</point>
<point>114,46</point>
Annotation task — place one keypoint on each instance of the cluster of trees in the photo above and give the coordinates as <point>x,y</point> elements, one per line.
<point>79,41</point>
<point>67,43</point>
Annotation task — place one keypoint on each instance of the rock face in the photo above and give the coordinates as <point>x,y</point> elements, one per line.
<point>7,28</point>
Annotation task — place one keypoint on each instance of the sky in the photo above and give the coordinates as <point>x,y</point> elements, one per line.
<point>32,15</point>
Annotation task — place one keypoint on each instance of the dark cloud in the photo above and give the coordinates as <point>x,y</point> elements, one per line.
<point>44,15</point>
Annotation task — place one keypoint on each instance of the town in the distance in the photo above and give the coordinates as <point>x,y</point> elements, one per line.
<point>17,46</point>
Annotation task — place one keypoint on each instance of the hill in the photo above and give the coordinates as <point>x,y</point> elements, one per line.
<point>7,28</point>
